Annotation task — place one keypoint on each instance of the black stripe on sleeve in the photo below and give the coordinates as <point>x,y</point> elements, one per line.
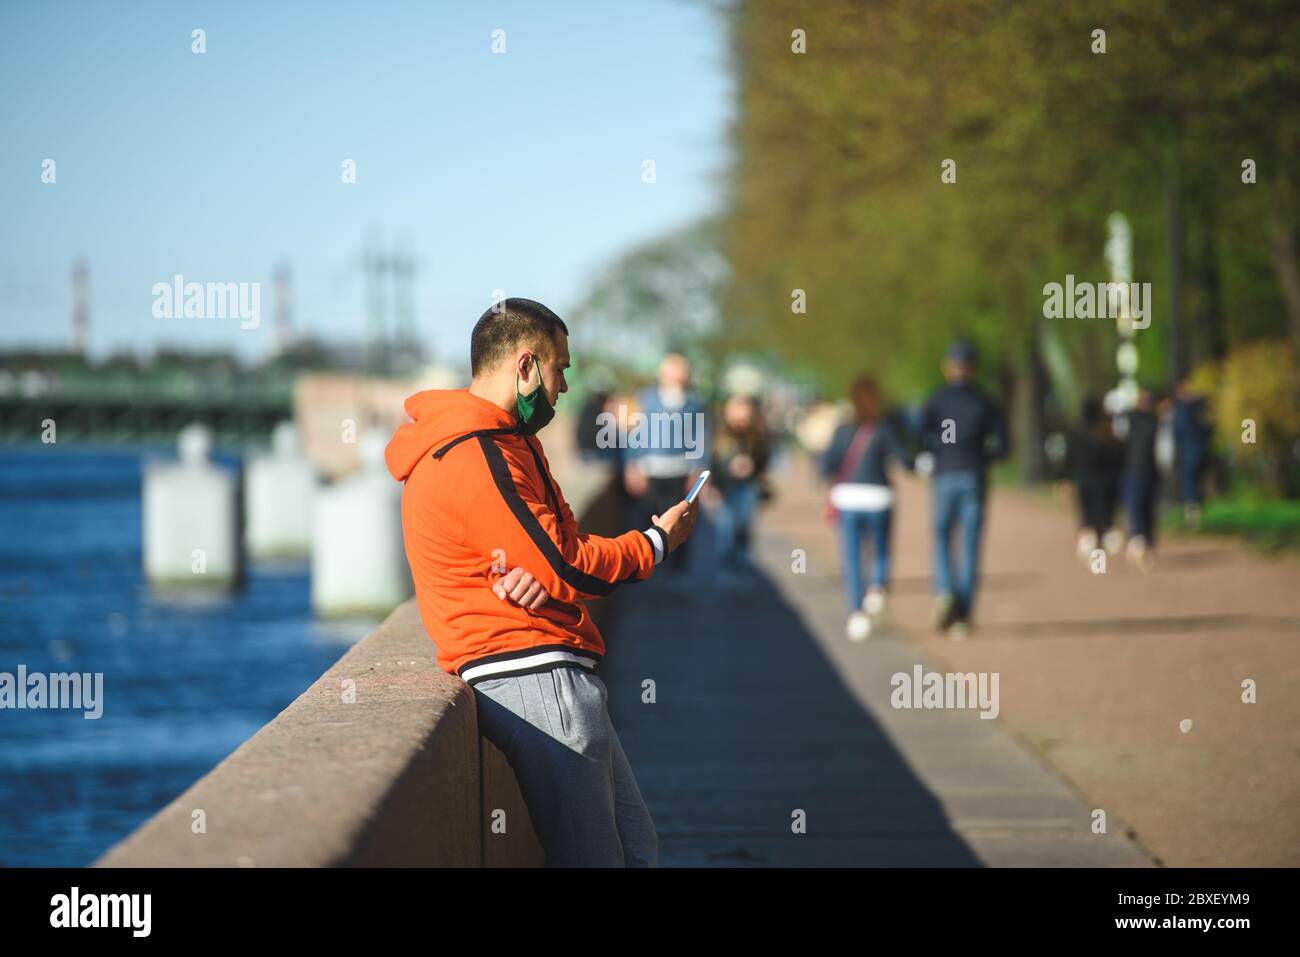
<point>505,483</point>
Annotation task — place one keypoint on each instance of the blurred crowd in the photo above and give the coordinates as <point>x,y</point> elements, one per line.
<point>1115,460</point>
<point>662,437</point>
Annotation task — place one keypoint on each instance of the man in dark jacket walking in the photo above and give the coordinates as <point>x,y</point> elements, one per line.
<point>965,432</point>
<point>1191,449</point>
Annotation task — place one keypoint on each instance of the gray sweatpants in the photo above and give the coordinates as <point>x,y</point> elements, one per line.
<point>554,729</point>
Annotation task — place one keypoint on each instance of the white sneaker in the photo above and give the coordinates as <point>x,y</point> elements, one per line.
<point>874,603</point>
<point>1140,554</point>
<point>1086,543</point>
<point>1112,541</point>
<point>859,626</point>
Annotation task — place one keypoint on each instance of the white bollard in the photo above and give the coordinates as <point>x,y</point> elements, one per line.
<point>191,518</point>
<point>1165,453</point>
<point>278,492</point>
<point>358,565</point>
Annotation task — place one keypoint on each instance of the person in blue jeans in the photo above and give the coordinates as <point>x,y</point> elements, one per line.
<point>1191,449</point>
<point>965,431</point>
<point>861,503</point>
<point>656,475</point>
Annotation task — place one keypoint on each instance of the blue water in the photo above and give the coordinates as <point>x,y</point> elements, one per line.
<point>186,680</point>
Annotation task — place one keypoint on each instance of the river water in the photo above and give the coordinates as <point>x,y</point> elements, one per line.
<point>186,679</point>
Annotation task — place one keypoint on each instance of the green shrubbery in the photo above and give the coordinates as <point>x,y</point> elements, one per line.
<point>1254,394</point>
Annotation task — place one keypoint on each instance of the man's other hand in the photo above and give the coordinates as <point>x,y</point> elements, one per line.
<point>677,523</point>
<point>518,586</point>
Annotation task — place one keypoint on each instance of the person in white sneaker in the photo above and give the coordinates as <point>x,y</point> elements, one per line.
<point>861,502</point>
<point>1094,461</point>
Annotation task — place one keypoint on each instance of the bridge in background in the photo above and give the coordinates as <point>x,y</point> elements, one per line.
<point>141,411</point>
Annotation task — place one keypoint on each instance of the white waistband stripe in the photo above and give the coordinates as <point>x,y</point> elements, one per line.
<point>524,663</point>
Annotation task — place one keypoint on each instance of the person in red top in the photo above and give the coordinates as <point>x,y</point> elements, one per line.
<point>502,573</point>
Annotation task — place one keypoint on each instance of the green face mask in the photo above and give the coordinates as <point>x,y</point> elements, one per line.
<point>535,409</point>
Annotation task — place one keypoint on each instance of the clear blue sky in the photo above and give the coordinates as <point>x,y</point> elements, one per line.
<point>519,171</point>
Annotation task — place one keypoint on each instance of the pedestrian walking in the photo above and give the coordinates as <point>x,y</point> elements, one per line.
<point>1191,449</point>
<point>965,431</point>
<point>660,470</point>
<point>861,503</point>
<point>1095,461</point>
<point>1141,479</point>
<point>740,457</point>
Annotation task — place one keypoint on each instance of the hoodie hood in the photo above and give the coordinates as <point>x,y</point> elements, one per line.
<point>439,416</point>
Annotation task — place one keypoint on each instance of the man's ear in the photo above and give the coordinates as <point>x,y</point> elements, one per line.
<point>524,364</point>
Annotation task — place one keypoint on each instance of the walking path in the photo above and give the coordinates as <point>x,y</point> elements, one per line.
<point>762,709</point>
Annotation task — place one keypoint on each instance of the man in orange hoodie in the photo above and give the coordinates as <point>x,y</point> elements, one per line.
<point>501,575</point>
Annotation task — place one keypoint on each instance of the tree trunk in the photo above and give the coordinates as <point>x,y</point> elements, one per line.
<point>1030,391</point>
<point>1282,225</point>
<point>1174,240</point>
<point>1209,318</point>
<point>1282,250</point>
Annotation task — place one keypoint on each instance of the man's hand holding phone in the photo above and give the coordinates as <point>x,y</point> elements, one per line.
<point>679,521</point>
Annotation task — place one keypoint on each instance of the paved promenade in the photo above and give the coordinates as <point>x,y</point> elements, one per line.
<point>765,716</point>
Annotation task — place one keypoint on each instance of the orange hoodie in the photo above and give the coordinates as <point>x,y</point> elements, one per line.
<point>479,500</point>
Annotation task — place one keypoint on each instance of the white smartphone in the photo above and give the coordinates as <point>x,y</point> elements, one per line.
<point>699,484</point>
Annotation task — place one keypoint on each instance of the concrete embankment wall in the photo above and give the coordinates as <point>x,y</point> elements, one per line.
<point>399,776</point>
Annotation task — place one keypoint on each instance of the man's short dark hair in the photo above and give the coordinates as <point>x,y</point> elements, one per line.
<point>963,351</point>
<point>508,324</point>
